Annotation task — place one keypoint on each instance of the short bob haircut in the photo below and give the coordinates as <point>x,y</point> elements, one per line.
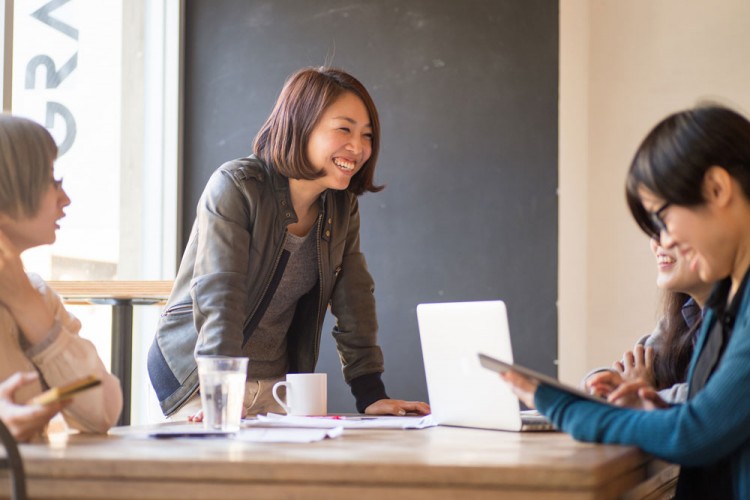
<point>282,140</point>
<point>673,158</point>
<point>27,152</point>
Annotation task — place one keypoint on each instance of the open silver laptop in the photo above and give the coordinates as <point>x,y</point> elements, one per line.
<point>462,392</point>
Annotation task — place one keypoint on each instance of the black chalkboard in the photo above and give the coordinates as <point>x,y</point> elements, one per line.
<point>467,93</point>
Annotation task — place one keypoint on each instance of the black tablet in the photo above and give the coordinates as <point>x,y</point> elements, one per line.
<point>501,367</point>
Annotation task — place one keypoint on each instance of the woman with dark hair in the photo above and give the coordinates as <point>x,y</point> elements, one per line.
<point>39,342</point>
<point>672,344</point>
<point>689,185</point>
<point>661,359</point>
<point>274,243</point>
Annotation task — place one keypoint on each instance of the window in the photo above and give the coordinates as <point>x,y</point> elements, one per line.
<point>103,77</point>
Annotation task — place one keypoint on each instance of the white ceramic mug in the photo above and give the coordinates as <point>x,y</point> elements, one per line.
<point>305,394</point>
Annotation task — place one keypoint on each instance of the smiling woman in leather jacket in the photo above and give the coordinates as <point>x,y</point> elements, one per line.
<point>274,243</point>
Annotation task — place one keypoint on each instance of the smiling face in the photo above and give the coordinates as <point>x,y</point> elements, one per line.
<point>697,235</point>
<point>30,231</point>
<point>341,142</point>
<point>673,273</point>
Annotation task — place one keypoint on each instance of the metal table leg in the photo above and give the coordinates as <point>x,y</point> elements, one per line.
<point>122,352</point>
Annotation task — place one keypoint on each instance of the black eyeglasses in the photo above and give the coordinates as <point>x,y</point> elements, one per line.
<point>657,221</point>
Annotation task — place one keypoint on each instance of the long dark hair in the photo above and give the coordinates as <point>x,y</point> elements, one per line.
<point>674,157</point>
<point>673,351</point>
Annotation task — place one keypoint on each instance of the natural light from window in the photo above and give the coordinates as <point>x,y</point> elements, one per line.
<point>102,76</point>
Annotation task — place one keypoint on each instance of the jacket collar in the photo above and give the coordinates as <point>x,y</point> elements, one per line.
<point>280,186</point>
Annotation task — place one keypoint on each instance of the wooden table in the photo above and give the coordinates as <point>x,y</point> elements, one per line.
<point>122,296</point>
<point>437,463</point>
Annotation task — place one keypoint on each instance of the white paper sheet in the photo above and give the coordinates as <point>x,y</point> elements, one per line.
<point>347,422</point>
<point>287,435</point>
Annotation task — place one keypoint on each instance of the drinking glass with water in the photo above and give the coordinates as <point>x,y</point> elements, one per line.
<point>222,388</point>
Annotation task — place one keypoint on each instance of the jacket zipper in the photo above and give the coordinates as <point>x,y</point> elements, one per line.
<point>318,326</point>
<point>268,282</point>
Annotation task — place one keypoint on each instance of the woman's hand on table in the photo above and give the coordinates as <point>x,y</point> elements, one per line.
<point>397,407</point>
<point>523,387</point>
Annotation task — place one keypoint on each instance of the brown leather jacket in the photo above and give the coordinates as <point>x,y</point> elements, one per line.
<point>233,261</point>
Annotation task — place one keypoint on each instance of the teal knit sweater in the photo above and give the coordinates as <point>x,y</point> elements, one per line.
<point>714,424</point>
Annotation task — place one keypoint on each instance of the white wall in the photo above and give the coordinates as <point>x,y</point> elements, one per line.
<point>624,65</point>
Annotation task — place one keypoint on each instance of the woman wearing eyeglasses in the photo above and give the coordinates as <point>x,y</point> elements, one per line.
<point>39,342</point>
<point>689,184</point>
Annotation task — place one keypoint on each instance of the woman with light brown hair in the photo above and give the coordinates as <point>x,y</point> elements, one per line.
<point>39,342</point>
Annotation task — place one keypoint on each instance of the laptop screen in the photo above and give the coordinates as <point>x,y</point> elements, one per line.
<point>461,391</point>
